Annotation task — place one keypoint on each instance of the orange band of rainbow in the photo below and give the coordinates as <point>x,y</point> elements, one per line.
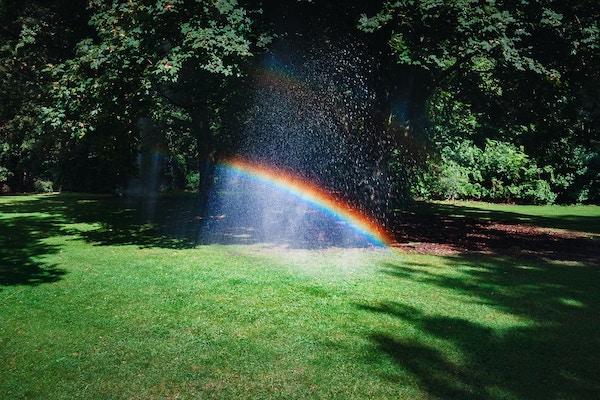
<point>314,195</point>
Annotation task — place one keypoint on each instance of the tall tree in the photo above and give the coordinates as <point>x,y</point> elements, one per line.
<point>33,34</point>
<point>163,64</point>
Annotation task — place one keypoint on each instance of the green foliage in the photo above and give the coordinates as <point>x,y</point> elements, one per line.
<point>87,88</point>
<point>33,35</point>
<point>42,186</point>
<point>172,62</point>
<point>498,172</point>
<point>74,94</point>
<point>576,171</point>
<point>517,72</point>
<point>448,181</point>
<point>466,36</point>
<point>570,172</point>
<point>142,53</point>
<point>5,174</point>
<point>192,180</point>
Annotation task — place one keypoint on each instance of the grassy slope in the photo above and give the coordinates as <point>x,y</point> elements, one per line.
<point>91,306</point>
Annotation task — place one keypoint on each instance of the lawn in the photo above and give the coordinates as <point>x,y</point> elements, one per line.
<point>100,299</point>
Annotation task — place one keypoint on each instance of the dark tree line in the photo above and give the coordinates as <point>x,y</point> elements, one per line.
<point>475,99</point>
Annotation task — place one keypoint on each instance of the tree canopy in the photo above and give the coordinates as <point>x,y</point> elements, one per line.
<point>524,72</point>
<point>474,99</point>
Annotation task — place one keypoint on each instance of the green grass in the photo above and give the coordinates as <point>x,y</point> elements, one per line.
<point>583,218</point>
<point>97,303</point>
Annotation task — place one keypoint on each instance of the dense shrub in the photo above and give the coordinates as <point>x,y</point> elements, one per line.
<point>42,186</point>
<point>576,173</point>
<point>498,172</point>
<point>5,174</point>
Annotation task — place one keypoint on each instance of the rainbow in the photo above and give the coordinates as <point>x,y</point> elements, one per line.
<point>312,194</point>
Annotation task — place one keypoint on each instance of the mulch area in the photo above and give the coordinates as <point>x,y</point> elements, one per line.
<point>449,235</point>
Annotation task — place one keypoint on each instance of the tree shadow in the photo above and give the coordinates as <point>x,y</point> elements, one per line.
<point>145,222</point>
<point>22,249</point>
<point>447,229</point>
<point>554,355</point>
<point>572,222</point>
<point>171,221</point>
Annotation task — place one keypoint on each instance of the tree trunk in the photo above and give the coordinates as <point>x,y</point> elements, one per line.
<point>206,156</point>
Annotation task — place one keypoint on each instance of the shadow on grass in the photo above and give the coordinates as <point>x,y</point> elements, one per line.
<point>22,249</point>
<point>173,221</point>
<point>115,221</point>
<point>555,354</point>
<point>167,221</point>
<point>27,223</point>
<point>446,228</point>
<point>581,223</point>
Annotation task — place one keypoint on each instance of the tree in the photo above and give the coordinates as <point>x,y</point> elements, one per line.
<point>32,35</point>
<point>527,70</point>
<point>165,65</point>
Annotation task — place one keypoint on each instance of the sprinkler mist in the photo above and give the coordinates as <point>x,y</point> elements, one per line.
<point>307,173</point>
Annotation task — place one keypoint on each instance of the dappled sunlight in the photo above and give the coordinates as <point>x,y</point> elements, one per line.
<point>24,248</point>
<point>487,324</point>
<point>538,338</point>
<point>175,222</point>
